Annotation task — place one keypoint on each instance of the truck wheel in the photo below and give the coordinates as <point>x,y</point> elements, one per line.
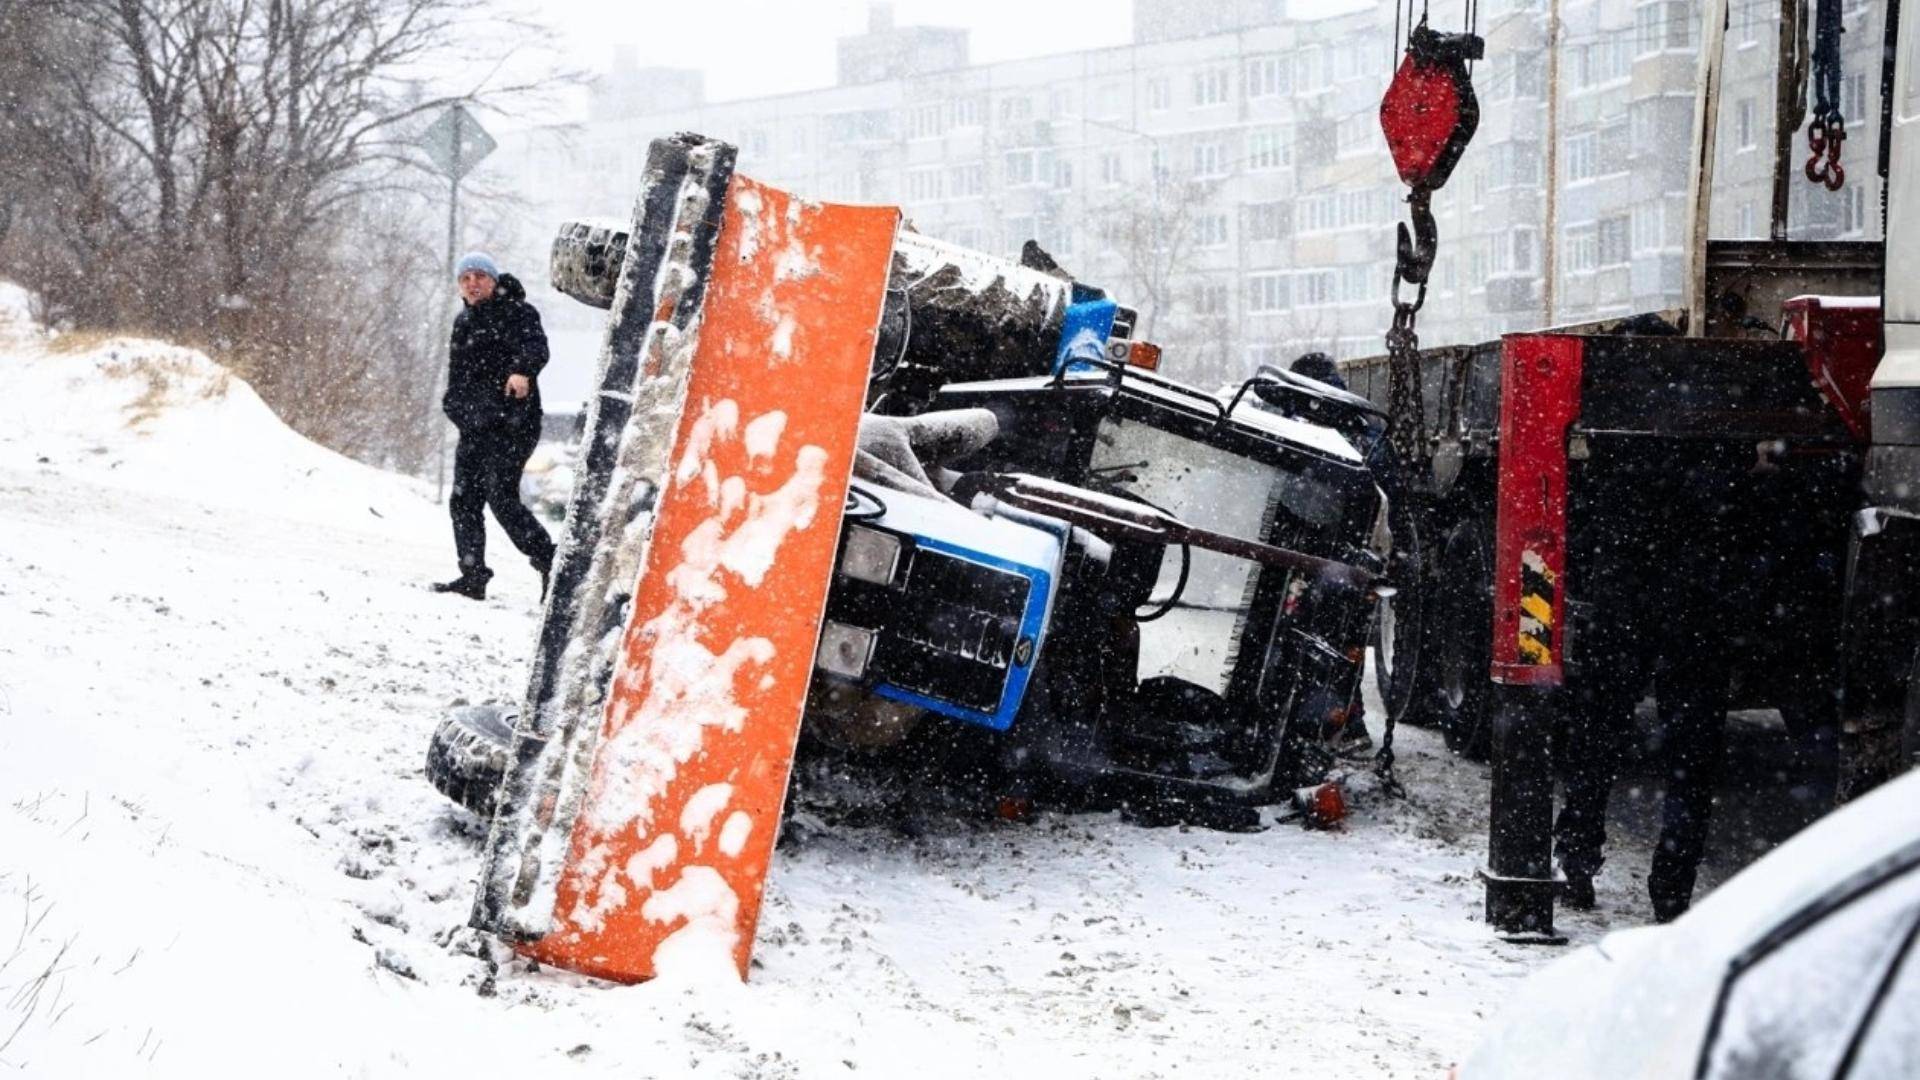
<point>467,756</point>
<point>1397,663</point>
<point>1462,653</point>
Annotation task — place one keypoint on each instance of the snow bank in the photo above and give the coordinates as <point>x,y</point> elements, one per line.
<point>169,421</point>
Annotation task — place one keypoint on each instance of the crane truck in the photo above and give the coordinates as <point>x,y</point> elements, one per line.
<point>1555,467</point>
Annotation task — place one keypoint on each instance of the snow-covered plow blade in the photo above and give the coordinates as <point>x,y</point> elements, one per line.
<point>635,824</point>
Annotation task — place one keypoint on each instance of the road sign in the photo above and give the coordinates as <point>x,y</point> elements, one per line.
<point>456,142</point>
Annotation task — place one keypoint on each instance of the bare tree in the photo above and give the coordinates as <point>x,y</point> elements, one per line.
<point>1152,237</point>
<point>239,174</point>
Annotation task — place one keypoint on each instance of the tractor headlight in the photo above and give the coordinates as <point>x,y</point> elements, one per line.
<point>844,650</point>
<point>870,555</point>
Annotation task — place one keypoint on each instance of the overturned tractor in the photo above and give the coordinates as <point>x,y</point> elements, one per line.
<point>841,476</point>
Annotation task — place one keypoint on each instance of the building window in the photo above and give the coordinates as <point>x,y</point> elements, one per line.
<point>1018,168</point>
<point>1349,62</point>
<point>864,124</point>
<point>1853,210</point>
<point>1608,60</point>
<point>1014,110</point>
<point>967,181</point>
<point>1351,209</point>
<point>1749,17</point>
<point>968,111</point>
<point>1267,149</point>
<point>923,185</point>
<point>1063,174</point>
<point>1112,168</point>
<point>1359,284</point>
<point>1517,252</point>
<point>1581,248</point>
<point>1210,299</point>
<point>1269,76</point>
<point>1210,87</point>
<point>1315,288</point>
<point>1209,159</point>
<point>1663,26</point>
<point>1583,156</point>
<point>1649,226</point>
<point>1268,292</point>
<point>1514,164</point>
<point>1357,132</point>
<point>1853,98</point>
<point>1525,241</point>
<point>1310,69</point>
<point>1159,95</point>
<point>1610,240</point>
<point>926,121</point>
<point>1268,221</point>
<point>1614,148</point>
<point>1210,230</point>
<point>1317,213</point>
<point>1743,123</point>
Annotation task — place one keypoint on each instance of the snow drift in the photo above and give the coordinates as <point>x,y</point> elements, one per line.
<point>166,420</point>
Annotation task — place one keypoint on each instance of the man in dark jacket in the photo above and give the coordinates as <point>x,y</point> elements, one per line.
<point>1353,736</point>
<point>493,398</point>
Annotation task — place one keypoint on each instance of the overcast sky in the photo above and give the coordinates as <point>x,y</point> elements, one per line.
<point>754,47</point>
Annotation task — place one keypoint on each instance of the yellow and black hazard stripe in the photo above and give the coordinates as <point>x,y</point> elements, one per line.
<point>1537,596</point>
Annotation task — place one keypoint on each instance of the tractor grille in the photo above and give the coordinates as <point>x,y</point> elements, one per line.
<point>956,631</point>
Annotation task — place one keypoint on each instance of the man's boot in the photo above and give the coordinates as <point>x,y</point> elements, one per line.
<point>1575,889</point>
<point>545,566</point>
<point>471,584</point>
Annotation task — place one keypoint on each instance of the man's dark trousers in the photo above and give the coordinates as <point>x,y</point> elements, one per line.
<point>486,472</point>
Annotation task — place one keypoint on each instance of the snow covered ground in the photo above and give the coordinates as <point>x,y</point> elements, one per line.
<point>218,856</point>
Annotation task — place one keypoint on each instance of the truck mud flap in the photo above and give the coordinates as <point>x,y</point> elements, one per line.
<point>653,754</point>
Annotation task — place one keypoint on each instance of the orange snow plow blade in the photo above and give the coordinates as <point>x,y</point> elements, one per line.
<point>675,797</point>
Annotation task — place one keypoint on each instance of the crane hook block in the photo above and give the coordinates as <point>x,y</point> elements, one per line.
<point>1429,113</point>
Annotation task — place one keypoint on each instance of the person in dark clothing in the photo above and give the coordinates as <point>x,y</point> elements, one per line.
<point>1353,736</point>
<point>1661,623</point>
<point>493,398</point>
<point>1319,367</point>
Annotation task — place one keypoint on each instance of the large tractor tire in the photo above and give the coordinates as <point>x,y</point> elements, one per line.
<point>467,757</point>
<point>1460,655</point>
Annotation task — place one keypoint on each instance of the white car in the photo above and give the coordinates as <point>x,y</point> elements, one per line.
<point>1803,966</point>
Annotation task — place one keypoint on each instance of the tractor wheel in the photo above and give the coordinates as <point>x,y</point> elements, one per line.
<point>1462,653</point>
<point>467,757</point>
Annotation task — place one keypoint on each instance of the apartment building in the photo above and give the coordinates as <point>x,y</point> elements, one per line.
<point>1225,171</point>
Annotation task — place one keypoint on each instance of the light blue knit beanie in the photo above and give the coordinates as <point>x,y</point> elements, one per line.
<point>477,260</point>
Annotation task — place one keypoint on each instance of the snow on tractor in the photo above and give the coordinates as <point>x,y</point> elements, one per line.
<point>930,501</point>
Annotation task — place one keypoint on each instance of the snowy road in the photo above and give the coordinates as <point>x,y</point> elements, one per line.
<point>217,676</point>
